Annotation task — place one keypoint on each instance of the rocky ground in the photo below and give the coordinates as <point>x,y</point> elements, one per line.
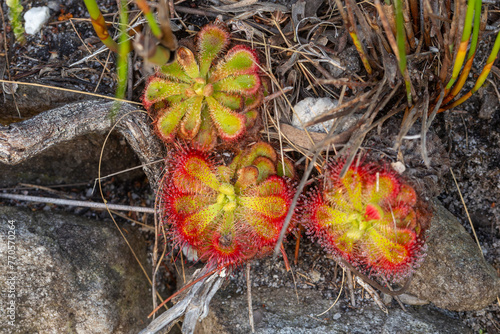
<point>470,137</point>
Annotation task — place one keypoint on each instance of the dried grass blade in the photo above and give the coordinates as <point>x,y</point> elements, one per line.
<point>236,6</point>
<point>351,28</point>
<point>414,13</point>
<point>387,28</point>
<point>364,123</point>
<point>429,14</point>
<point>409,118</point>
<point>168,38</point>
<point>408,25</point>
<point>448,36</point>
<point>367,30</point>
<point>425,22</point>
<point>425,127</point>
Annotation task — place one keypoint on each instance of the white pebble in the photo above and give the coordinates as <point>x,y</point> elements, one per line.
<point>308,109</point>
<point>190,253</point>
<point>398,166</point>
<point>35,18</point>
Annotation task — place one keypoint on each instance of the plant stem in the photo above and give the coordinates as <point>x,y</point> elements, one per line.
<point>464,42</point>
<point>401,39</point>
<point>470,57</point>
<point>153,25</point>
<point>99,25</point>
<point>249,299</point>
<point>482,77</point>
<point>123,50</point>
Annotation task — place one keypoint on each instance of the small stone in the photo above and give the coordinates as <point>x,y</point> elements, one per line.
<point>387,299</point>
<point>398,166</point>
<point>54,5</point>
<point>307,109</point>
<point>35,18</point>
<point>190,253</point>
<point>337,316</point>
<point>258,316</point>
<point>315,276</point>
<point>489,105</point>
<point>412,300</point>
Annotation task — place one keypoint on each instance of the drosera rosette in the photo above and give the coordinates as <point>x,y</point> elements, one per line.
<point>231,213</point>
<point>371,218</point>
<point>201,96</point>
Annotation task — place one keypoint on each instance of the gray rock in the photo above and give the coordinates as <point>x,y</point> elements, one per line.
<point>283,314</point>
<point>454,275</point>
<point>35,19</point>
<point>308,108</point>
<point>69,274</point>
<point>489,104</point>
<point>74,161</point>
<point>33,100</point>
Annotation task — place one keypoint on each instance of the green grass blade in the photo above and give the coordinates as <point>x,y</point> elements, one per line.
<point>153,25</point>
<point>400,39</point>
<point>470,56</point>
<point>482,77</point>
<point>123,50</point>
<point>464,42</point>
<point>475,31</point>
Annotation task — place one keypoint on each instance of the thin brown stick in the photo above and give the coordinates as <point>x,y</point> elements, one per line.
<point>388,31</point>
<point>249,298</point>
<point>338,296</point>
<point>291,210</point>
<point>297,246</point>
<point>351,288</point>
<point>187,286</point>
<point>467,212</point>
<point>122,118</point>
<point>71,90</point>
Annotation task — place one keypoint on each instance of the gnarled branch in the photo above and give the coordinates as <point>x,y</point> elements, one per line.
<point>23,140</point>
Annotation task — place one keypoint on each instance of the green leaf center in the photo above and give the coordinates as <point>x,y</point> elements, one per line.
<point>227,197</point>
<point>359,226</point>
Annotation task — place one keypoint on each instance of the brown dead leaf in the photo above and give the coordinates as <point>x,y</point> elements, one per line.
<point>299,137</point>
